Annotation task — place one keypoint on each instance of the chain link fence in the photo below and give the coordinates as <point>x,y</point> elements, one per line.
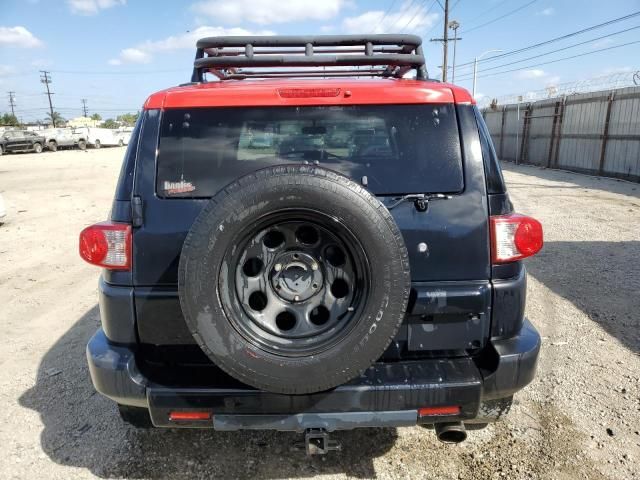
<point>596,133</point>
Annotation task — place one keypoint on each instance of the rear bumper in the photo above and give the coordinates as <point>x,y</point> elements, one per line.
<point>387,394</point>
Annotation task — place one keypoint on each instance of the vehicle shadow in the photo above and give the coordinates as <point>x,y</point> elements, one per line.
<point>600,278</point>
<point>578,181</point>
<point>83,429</point>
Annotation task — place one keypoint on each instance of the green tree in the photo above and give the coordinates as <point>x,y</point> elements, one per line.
<point>128,118</point>
<point>9,120</point>
<point>109,123</point>
<point>96,117</point>
<point>56,119</point>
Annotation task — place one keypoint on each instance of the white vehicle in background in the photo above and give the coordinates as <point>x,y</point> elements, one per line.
<point>56,138</point>
<point>124,135</point>
<point>96,137</point>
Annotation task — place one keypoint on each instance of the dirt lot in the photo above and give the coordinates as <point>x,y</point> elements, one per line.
<point>579,419</point>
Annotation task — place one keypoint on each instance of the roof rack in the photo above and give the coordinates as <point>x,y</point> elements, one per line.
<point>285,56</point>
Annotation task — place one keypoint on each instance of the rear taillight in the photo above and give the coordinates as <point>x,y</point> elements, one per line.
<point>514,237</point>
<point>107,245</point>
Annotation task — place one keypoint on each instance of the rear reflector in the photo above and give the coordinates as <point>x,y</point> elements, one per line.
<point>433,411</point>
<point>308,92</point>
<point>189,416</point>
<point>514,237</point>
<point>107,245</point>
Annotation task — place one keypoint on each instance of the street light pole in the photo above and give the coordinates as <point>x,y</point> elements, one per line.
<point>454,25</point>
<point>475,67</point>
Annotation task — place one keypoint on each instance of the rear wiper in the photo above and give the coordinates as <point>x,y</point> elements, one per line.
<point>420,200</point>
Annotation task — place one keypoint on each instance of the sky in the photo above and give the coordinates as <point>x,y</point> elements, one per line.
<point>115,53</point>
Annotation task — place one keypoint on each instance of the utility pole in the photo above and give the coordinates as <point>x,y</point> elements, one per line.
<point>454,25</point>
<point>46,79</point>
<point>445,41</point>
<point>12,103</point>
<point>84,107</point>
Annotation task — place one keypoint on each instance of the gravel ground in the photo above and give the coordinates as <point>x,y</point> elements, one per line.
<point>579,419</point>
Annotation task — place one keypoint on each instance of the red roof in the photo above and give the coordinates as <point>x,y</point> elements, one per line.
<point>291,92</point>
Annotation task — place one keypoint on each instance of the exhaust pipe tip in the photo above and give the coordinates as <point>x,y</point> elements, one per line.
<point>451,432</point>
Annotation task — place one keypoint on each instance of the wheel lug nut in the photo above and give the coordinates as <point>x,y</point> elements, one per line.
<point>314,266</point>
<point>278,267</point>
<point>296,298</point>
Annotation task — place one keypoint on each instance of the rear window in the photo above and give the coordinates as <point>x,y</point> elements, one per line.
<point>399,149</point>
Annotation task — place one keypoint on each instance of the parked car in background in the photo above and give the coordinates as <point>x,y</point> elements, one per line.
<point>59,138</point>
<point>96,137</point>
<point>124,135</point>
<point>21,141</point>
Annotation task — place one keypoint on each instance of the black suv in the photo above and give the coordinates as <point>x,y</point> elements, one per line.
<point>21,141</point>
<point>259,274</point>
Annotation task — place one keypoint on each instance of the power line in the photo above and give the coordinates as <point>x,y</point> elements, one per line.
<point>435,24</point>
<point>46,79</point>
<point>489,10</point>
<point>557,50</point>
<point>556,39</point>
<point>500,17</point>
<point>560,59</point>
<point>385,15</point>
<point>401,13</point>
<point>418,10</point>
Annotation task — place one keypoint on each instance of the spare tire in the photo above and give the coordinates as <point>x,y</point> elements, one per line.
<point>294,279</point>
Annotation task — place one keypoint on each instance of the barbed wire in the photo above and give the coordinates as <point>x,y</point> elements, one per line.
<point>611,81</point>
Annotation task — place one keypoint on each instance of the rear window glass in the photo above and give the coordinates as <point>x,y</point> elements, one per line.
<point>398,148</point>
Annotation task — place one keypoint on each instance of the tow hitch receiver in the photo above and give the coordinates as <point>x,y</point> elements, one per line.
<point>317,442</point>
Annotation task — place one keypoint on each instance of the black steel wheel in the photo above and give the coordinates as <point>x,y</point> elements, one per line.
<point>300,279</point>
<point>294,279</point>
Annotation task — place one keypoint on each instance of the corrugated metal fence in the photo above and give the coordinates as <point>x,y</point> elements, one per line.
<point>596,133</point>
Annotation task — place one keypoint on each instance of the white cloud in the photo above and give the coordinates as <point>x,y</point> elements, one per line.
<point>614,70</point>
<point>41,63</point>
<point>375,21</point>
<point>92,7</point>
<point>143,52</point>
<point>18,37</point>
<point>605,42</point>
<point>265,12</point>
<point>533,73</point>
<point>135,55</point>
<point>6,70</point>
<point>547,12</point>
